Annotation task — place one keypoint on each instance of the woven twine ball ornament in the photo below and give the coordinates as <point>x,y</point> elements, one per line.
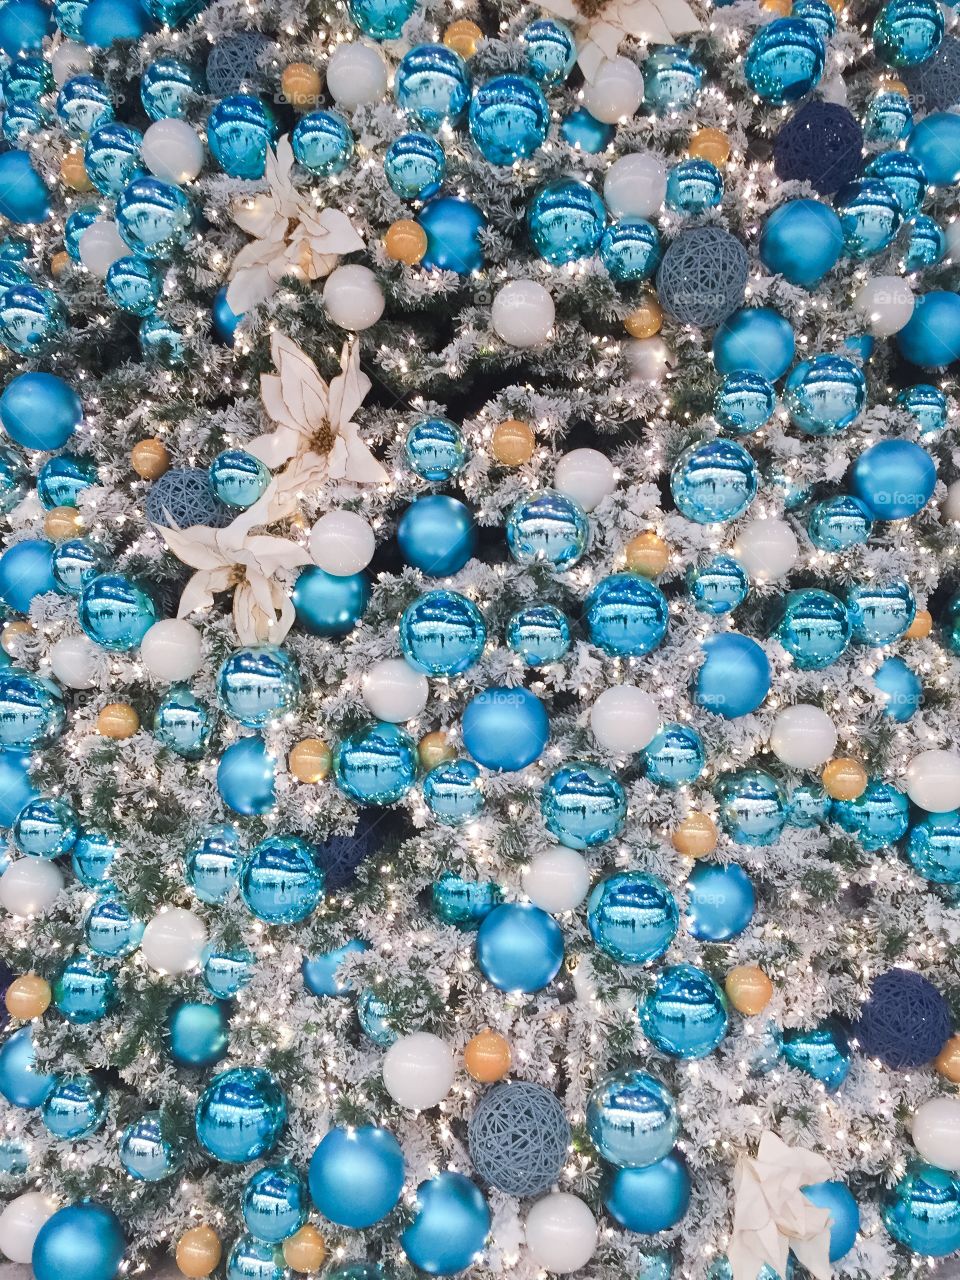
<point>435,748</point>
<point>305,1250</point>
<point>486,1056</point>
<point>150,459</point>
<point>309,760</point>
<point>340,856</point>
<point>405,241</point>
<point>59,263</point>
<point>518,1138</point>
<point>233,63</point>
<point>748,989</point>
<point>646,318</point>
<point>183,497</point>
<point>61,523</point>
<point>648,554</point>
<point>73,171</point>
<point>695,836</point>
<point>198,1251</point>
<point>13,633</point>
<point>301,84</point>
<point>513,442</point>
<point>28,997</point>
<point>844,778</point>
<point>934,85</point>
<point>821,144</point>
<point>920,627</point>
<point>703,276</point>
<point>947,1061</point>
<point>905,1022</point>
<point>710,144</point>
<point>118,720</point>
<point>463,37</point>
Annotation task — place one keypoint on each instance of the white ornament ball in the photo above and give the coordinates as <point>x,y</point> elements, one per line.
<point>395,691</point>
<point>356,76</point>
<point>767,548</point>
<point>342,543</point>
<point>418,1070</point>
<point>173,940</point>
<point>933,781</point>
<point>886,304</point>
<point>648,359</point>
<point>561,1233</point>
<point>523,313</point>
<point>172,650</point>
<point>20,1224</point>
<point>615,91</point>
<point>70,59</point>
<point>586,475</point>
<point>172,151</point>
<point>635,185</point>
<point>952,231</point>
<point>353,297</point>
<point>29,886</point>
<point>100,246</point>
<point>950,507</point>
<point>557,879</point>
<point>75,662</point>
<point>936,1132</point>
<point>624,719</point>
<point>803,737</point>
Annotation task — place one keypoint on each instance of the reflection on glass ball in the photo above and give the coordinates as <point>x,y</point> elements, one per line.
<point>74,1108</point>
<point>869,216</point>
<point>30,318</point>
<point>147,1151</point>
<point>719,585</point>
<point>880,613</point>
<point>464,903</point>
<point>240,129</point>
<point>45,828</point>
<point>582,130</point>
<point>376,765</point>
<point>933,847</point>
<point>183,723</point>
<point>381,19</point>
<point>889,118</point>
<point>820,16</point>
<point>714,481</point>
<point>62,479</point>
<point>825,395</point>
<point>671,79</point>
<point>432,85</point>
<point>675,757</point>
<point>566,220</point>
<point>240,1115</point>
<point>539,633</point>
<point>452,792</point>
<point>275,1203</point>
<point>904,175</point>
<point>323,142</point>
<point>815,628</point>
<point>22,119</point>
<point>626,615</point>
<point>167,87</point>
<point>927,405</point>
<point>414,165</point>
<point>443,633</point>
<point>111,929</point>
<point>252,1259</point>
<point>134,285</point>
<point>83,104</point>
<point>784,61</point>
<point>76,225</point>
<point>632,1119</point>
<point>435,449</point>
<point>373,1014</point>
<point>153,217</point>
<point>694,186</point>
<point>238,478</point>
<point>281,880</point>
<point>82,992</point>
<point>808,806</point>
<point>160,342</point>
<point>226,972</point>
<point>26,78</point>
<point>32,711</point>
<point>743,402</point>
<point>509,119</point>
<point>752,806</point>
<point>91,858</point>
<point>630,249</point>
<point>823,1053</point>
<point>212,863</point>
<point>259,684</point>
<point>922,1211</point>
<point>14,479</point>
<point>632,917</point>
<point>908,32</point>
<point>838,523</point>
<point>112,156</point>
<point>549,527</point>
<point>551,50</point>
<point>685,1014</point>
<point>877,818</point>
<point>583,805</point>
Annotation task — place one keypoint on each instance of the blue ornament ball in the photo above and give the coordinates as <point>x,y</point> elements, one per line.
<point>650,1199</point>
<point>584,132</point>
<point>743,402</point>
<point>820,16</point>
<point>225,972</point>
<point>814,628</point>
<point>112,156</point>
<point>105,21</point>
<point>756,339</point>
<point>26,79</point>
<point>22,119</point>
<point>877,819</point>
<point>356,1175</point>
<point>26,571</point>
<point>505,728</point>
<point>551,50</point>
<point>713,481</point>
<point>931,337</point>
<point>321,972</point>
<point>15,788</point>
<point>825,395</point>
<point>91,859</point>
<point>837,1198</point>
<point>926,404</point>
<point>907,32</point>
<point>134,284</point>
<point>566,219</point>
<point>453,227</point>
<point>414,165</point>
<point>168,87</point>
<point>111,929</point>
<point>435,449</point>
<point>281,881</point>
<point>61,480</point>
<point>900,689</point>
<point>226,321</point>
<point>922,1212</point>
<point>83,104</point>
<point>240,1115</point>
<point>752,807</point>
<point>518,1138</point>
<point>437,535</point>
<point>199,1033</point>
<point>870,216</point>
<point>450,1224</point>
<point>240,131</point>
<point>258,685</point>
<point>237,478</point>
<point>432,85</point>
<point>452,792</point>
<point>463,903</point>
<point>838,523</point>
<point>252,1259</point>
<point>889,118</point>
<point>328,604</point>
<point>14,479</point>
<point>21,1083</point>
<point>626,615</point>
<point>40,411</point>
<point>519,948</point>
<point>633,917</point>
<point>694,186</point>
<point>212,863</point>
<point>547,527</point>
<point>903,174</point>
<point>718,586</point>
<point>675,757</point>
<point>685,1015</point>
<point>734,677</point>
<point>23,193</point>
<point>160,342</point>
<point>373,1014</point>
<point>720,902</point>
<point>442,633</point>
<point>933,847</point>
<point>376,765</point>
<point>323,142</point>
<point>583,805</point>
<point>539,634</point>
<point>32,711</point>
<point>153,217</point>
<point>785,60</point>
<point>905,1022</point>
<point>84,1241</point>
<point>23,26</point>
<point>880,612</point>
<point>147,1152</point>
<point>83,992</point>
<point>702,276</point>
<point>934,143</point>
<point>381,19</point>
<point>821,1052</point>
<point>182,723</point>
<point>802,241</point>
<point>671,79</point>
<point>74,1108</point>
<point>45,828</point>
<point>274,1203</point>
<point>509,118</point>
<point>246,777</point>
<point>115,611</point>
<point>630,249</point>
<point>30,318</point>
<point>809,806</point>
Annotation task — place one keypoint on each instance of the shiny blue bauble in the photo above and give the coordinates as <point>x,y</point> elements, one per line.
<point>22,119</point>
<point>801,240</point>
<point>30,318</point>
<point>539,633</point>
<point>258,685</point>
<point>160,342</point>
<point>822,1052</point>
<point>116,612</point>
<point>105,21</point>
<point>183,723</point>
<point>505,728</point>
<point>633,917</point>
<point>584,132</point>
<point>713,481</point>
<point>252,1259</point>
<point>907,32</point>
<point>226,321</point>
<point>452,225</point>
<point>757,339</point>
<point>509,119</point>
<point>61,480</point>
<point>566,219</point>
<point>720,902</point>
<point>168,87</point>
<point>321,972</point>
<point>112,156</point>
<point>825,395</point>
<point>74,227</point>
<point>889,118</point>
<point>275,1203</point>
<point>743,402</point>
<point>327,604</point>
<point>934,142</point>
<point>449,1227</point>
<point>437,535</point>
<point>551,50</point>
<point>840,522</point>
<point>808,806</point>
<point>74,1108</point>
<point>281,880</point>
<point>626,615</point>
<point>237,478</point>
<point>110,929</point>
<point>246,777</point>
<point>583,805</point>
<point>414,165</point>
<point>463,903</point>
<point>26,571</point>
<point>14,479</point>
<point>23,194</point>
<point>381,19</point>
<point>734,677</point>
<point>432,85</point>
<point>373,1014</point>
<point>903,174</point>
<point>240,129</point>
<point>84,1241</point>
<point>91,858</point>
<point>519,948</point>
<point>25,79</point>
<point>880,613</point>
<point>820,16</point>
<point>82,992</point>
<point>675,757</point>
<point>718,586</point>
<point>933,847</point>
<point>23,26</point>
<point>630,249</point>
<point>877,819</point>
<point>83,104</point>
<point>146,1152</point>
<point>14,1158</point>
<point>212,863</point>
<point>922,1211</point>
<point>376,765</point>
<point>631,1118</point>
<point>225,972</point>
<point>435,449</point>
<point>356,1175</point>
<point>869,215</point>
<point>784,61</point>
<point>134,284</point>
<point>685,1015</point>
<point>926,404</point>
<point>442,633</point>
<point>240,1115</point>
<point>32,712</point>
<point>323,142</point>
<point>452,792</point>
<point>931,337</point>
<point>900,690</point>
<point>694,186</point>
<point>20,1082</point>
<point>547,527</point>
<point>671,79</point>
<point>752,806</point>
<point>15,788</point>
<point>153,217</point>
<point>651,1199</point>
<point>814,629</point>
<point>46,828</point>
<point>721,1270</point>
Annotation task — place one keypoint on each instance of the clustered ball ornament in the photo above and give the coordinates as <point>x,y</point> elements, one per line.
<point>518,1137</point>
<point>702,277</point>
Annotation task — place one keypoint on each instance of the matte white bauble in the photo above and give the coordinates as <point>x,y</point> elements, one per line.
<point>173,940</point>
<point>933,781</point>
<point>70,59</point>
<point>395,691</point>
<point>75,661</point>
<point>886,304</point>
<point>561,1233</point>
<point>342,543</point>
<point>586,475</point>
<point>172,151</point>
<point>624,719</point>
<point>172,650</point>
<point>803,737</point>
<point>615,91</point>
<point>936,1132</point>
<point>648,359</point>
<point>356,76</point>
<point>950,507</point>
<point>418,1070</point>
<point>100,246</point>
<point>20,1224</point>
<point>635,185</point>
<point>523,313</point>
<point>353,297</point>
<point>767,548</point>
<point>557,879</point>
<point>952,232</point>
<point>29,886</point>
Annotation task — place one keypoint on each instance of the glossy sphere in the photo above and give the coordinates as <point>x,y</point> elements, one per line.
<point>112,157</point>
<point>246,776</point>
<point>734,678</point>
<point>839,523</point>
<point>91,858</point>
<point>30,317</point>
<point>752,807</point>
<point>199,1033</point>
<point>82,992</point>
<point>757,339</point>
<point>547,527</point>
<point>252,1259</point>
<point>21,1084</point>
<point>323,142</point>
<point>509,119</point>
<point>718,586</point>
<point>330,604</point>
<point>258,685</point>
<point>922,1211</point>
<point>84,1241</point>
<point>626,615</point>
<point>583,805</point>
<point>926,404</point>
<point>240,129</point>
<point>83,104</point>
<point>900,690</point>
<point>714,481</point>
<point>116,612</point>
<point>356,1175</point>
<point>632,917</point>
<point>182,723</point>
<point>934,143</point>
<point>784,61</point>
<point>31,709</point>
<point>320,972</point>
<point>110,929</point>
<point>432,85</point>
<point>414,165</point>
<point>903,173</point>
<point>442,633</point>
<point>908,32</point>
<point>154,217</point>
<point>694,186</point>
<point>167,86</point>
<point>823,1053</point>
<point>449,1227</point>
<point>933,847</point>
<point>281,881</point>
<point>519,948</point>
<point>675,757</point>
<point>825,395</point>
<point>145,1153</point>
<point>551,50</point>
<point>274,1203</point>
<point>685,1015</point>
<point>582,130</point>
<point>437,535</point>
<point>671,79</point>
<point>376,765</point>
<point>453,243</point>
<point>240,1115</point>
<point>650,1199</point>
<point>880,612</point>
<point>894,478</point>
<point>877,818</point>
<point>134,285</point>
<point>631,1119</point>
<point>540,634</point>
<point>815,628</point>
<point>869,215</point>
<point>237,478</point>
<point>931,337</point>
<point>566,219</point>
<point>452,792</point>
<point>630,249</point>
<point>505,728</point>
<point>720,902</point>
<point>23,194</point>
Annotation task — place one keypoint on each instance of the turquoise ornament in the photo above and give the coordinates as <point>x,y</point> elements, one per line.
<point>743,402</point>
<point>931,337</point>
<point>889,118</point>
<point>327,604</point>
<point>651,1199</point>
<point>933,847</point>
<point>74,228</point>
<point>373,1014</point>
<point>168,87</point>
<point>432,85</point>
<point>23,26</point>
<point>23,119</point>
<point>258,685</point>
<point>452,225</point>
<point>246,777</point>
<point>752,807</point>
<point>275,1203</point>
<point>584,132</point>
<point>61,480</point>
<point>838,523</point>
<point>251,1259</point>
<point>74,1108</point>
<point>14,479</point>
<point>583,805</point>
<point>927,405</point>
<point>154,218</point>
<point>116,612</point>
<point>82,992</point>
<point>721,1270</point>
<point>694,186</point>
<point>685,1015</point>
<point>505,728</point>
<point>452,792</point>
<point>32,712</point>
<point>240,1115</point>
<point>823,1053</point>
<point>91,858</point>
<point>632,1118</point>
<point>84,104</point>
<point>323,142</point>
<point>801,240</point>
<point>757,339</point>
<point>84,1241</point>
<point>877,819</point>
<point>675,757</point>
<point>112,156</point>
<point>713,481</point>
<point>672,79</point>
<point>437,535</point>
<point>539,634</point>
<point>808,806</point>
<point>907,32</point>
<point>720,902</point>
<point>519,948</point>
<point>356,1175</point>
<point>718,586</point>
<point>509,118</point>
<point>784,61</point>
<point>134,284</point>
<point>630,249</point>
<point>900,690</point>
<point>30,317</point>
<point>183,723</point>
<point>903,174</point>
<point>934,143</point>
<point>870,216</point>
<point>226,972</point>
<point>376,765</point>
<point>825,395</point>
<point>321,972</point>
<point>23,194</point>
<point>146,1152</point>
<point>442,633</point>
<point>414,166</point>
<point>626,615</point>
<point>463,903</point>
<point>106,21</point>
<point>633,917</point>
<point>21,1083</point>
<point>212,863</point>
<point>240,131</point>
<point>566,219</point>
<point>26,571</point>
<point>226,321</point>
<point>450,1224</point>
<point>551,50</point>
<point>45,828</point>
<point>435,449</point>
<point>820,16</point>
<point>14,1158</point>
<point>880,612</point>
<point>547,527</point>
<point>160,343</point>
<point>657,1266</point>
<point>281,881</point>
<point>111,929</point>
<point>922,1212</point>
<point>814,628</point>
<point>381,19</point>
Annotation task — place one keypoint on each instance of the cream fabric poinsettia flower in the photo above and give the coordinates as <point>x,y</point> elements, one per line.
<point>601,28</point>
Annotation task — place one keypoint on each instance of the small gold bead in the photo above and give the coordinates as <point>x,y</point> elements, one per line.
<point>645,319</point>
<point>710,144</point>
<point>405,241</point>
<point>118,720</point>
<point>150,459</point>
<point>198,1252</point>
<point>12,633</point>
<point>844,778</point>
<point>73,171</point>
<point>309,760</point>
<point>28,997</point>
<point>748,989</point>
<point>647,554</point>
<point>301,84</point>
<point>890,84</point>
<point>462,37</point>
<point>920,627</point>
<point>435,748</point>
<point>305,1250</point>
<point>696,836</point>
<point>61,523</point>
<point>513,442</point>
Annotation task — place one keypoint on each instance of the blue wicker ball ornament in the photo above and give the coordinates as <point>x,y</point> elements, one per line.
<point>432,85</point>
<point>702,277</point>
<point>934,84</point>
<point>870,216</point>
<point>693,187</point>
<point>671,79</point>
<point>630,249</point>
<point>509,119</point>
<point>414,166</point>
<point>632,1119</point>
<point>182,497</point>
<point>822,144</point>
<point>685,1015</point>
<point>566,219</point>
<point>518,1137</point>
<point>825,395</point>
<point>743,402</point>
<point>339,856</point>
<point>551,50</point>
<point>233,65</point>
<point>922,1211</point>
<point>323,142</point>
<point>785,60</point>
<point>908,32</point>
<point>904,174</point>
<point>905,1022</point>
<point>633,917</point>
<point>714,481</point>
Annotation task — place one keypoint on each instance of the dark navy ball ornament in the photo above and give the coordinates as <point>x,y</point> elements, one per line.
<point>905,1022</point>
<point>822,144</point>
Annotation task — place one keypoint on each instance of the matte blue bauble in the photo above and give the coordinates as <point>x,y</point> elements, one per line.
<point>630,249</point>
<point>168,87</point>
<point>934,142</point>
<point>328,604</point>
<point>373,1014</point>
<point>869,215</point>
<point>757,339</point>
<point>694,186</point>
<point>626,615</point>
<point>509,119</point>
<point>823,1053</point>
<point>860,345</point>
<point>432,85</point>
<point>323,142</point>
<point>199,1033</point>
<point>926,404</point>
<point>356,1175</point>
<point>226,321</point>
<point>115,611</point>
<point>718,586</point>
<point>583,805</point>
<point>671,79</point>
<point>877,819</point>
<point>22,119</point>
<point>15,788</point>
<point>449,1227</point>
<point>675,757</point>
<point>110,929</point>
<point>900,690</point>
<point>566,219</point>
<point>734,677</point>
<point>584,132</point>
<point>92,857</point>
<point>784,61</point>
<point>651,1199</point>
<point>632,1118</point>
<point>61,480</point>
<point>153,217</point>
<point>83,104</point>
<point>84,1241</point>
<point>240,1115</point>
<point>880,613</point>
<point>907,32</point>
<point>539,633</point>
<point>713,481</point>
<point>820,16</point>
<point>752,807</point>
<point>442,633</point>
<point>73,229</point>
<point>633,917</point>
<point>252,1259</point>
<point>452,225</point>
<point>463,903</point>
<point>809,806</point>
<point>547,527</point>
<point>931,337</point>
<point>815,628</point>
<point>519,948</point>
<point>146,1152</point>
<point>212,863</point>
<point>23,194</point>
<point>414,165</point>
<point>45,828</point>
<point>20,1082</point>
<point>933,847</point>
<point>437,535</point>
<point>825,395</point>
<point>105,21</point>
<point>452,792</point>
<point>685,1015</point>
<point>889,118</point>
<point>26,78</point>
<point>281,881</point>
<point>160,342</point>
<point>240,130</point>
<point>112,156</point>
<point>376,765</point>
<point>134,284</point>
<point>505,728</point>
<point>743,402</point>
<point>23,26</point>
<point>258,685</point>
<point>30,318</point>
<point>183,723</point>
<point>31,709</point>
<point>381,19</point>
<point>720,902</point>
<point>82,992</point>
<point>435,449</point>
<point>226,972</point>
<point>246,777</point>
<point>14,479</point>
<point>74,1108</point>
<point>922,1211</point>
<point>551,50</point>
<point>275,1203</point>
<point>839,523</point>
<point>320,972</point>
<point>903,174</point>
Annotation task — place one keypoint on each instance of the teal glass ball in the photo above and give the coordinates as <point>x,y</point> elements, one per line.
<point>21,1083</point>
<point>160,343</point>
<point>463,903</point>
<point>61,480</point>
<point>373,1014</point>
<point>889,118</point>
<point>904,175</point>
<point>45,828</point>
<point>672,79</point>
<point>752,807</point>
<point>519,948</point>
<point>168,87</point>
<point>116,612</point>
<point>633,917</point>
<point>111,929</point>
<point>630,249</point>
<point>452,792</point>
<point>584,132</point>
<point>437,535</point>
<point>74,1108</point>
<point>822,1052</point>
<point>551,50</point>
<point>675,757</point>
<point>323,142</point>
<point>22,119</point>
<point>539,634</point>
<point>509,119</point>
<point>547,527</point>
<point>112,156</point>
<point>743,402</point>
<point>281,881</point>
<point>808,806</point>
<point>825,395</point>
<point>452,225</point>
<point>252,1259</point>
<point>91,858</point>
<point>246,777</point>
<point>450,1224</point>
<point>32,711</point>
<point>435,449</point>
<point>432,85</point>
<point>74,562</point>
<point>876,819</point>
<point>376,765</point>
<point>784,61</point>
<point>933,847</point>
<point>566,219</point>
<point>900,689</point>
<point>926,404</point>
<point>442,633</point>
<point>838,523</point>
<point>240,131</point>
<point>718,586</point>
<point>321,973</point>
<point>153,217</point>
<point>240,1115</point>
<point>134,285</point>
<point>212,863</point>
<point>414,166</point>
<point>880,612</point>
<point>30,317</point>
<point>275,1203</point>
<point>85,1241</point>
<point>685,1015</point>
<point>147,1151</point>
<point>820,16</point>
<point>583,805</point>
<point>814,628</point>
<point>907,32</point>
<point>934,143</point>
<point>922,1212</point>
<point>694,186</point>
<point>83,105</point>
<point>626,615</point>
<point>182,723</point>
<point>757,339</point>
<point>237,478</point>
<point>801,240</point>
<point>714,481</point>
<point>651,1199</point>
<point>83,992</point>
<point>328,604</point>
<point>632,1118</point>
<point>225,972</point>
<point>870,216</point>
<point>505,728</point>
<point>720,902</point>
<point>381,19</point>
<point>258,685</point>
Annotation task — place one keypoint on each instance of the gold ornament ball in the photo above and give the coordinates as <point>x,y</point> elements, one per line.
<point>118,720</point>
<point>844,778</point>
<point>836,5</point>
<point>710,144</point>
<point>305,1250</point>
<point>645,319</point>
<point>513,442</point>
<point>28,996</point>
<point>647,554</point>
<point>73,171</point>
<point>309,760</point>
<point>198,1251</point>
<point>59,263</point>
<point>62,522</point>
<point>12,633</point>
<point>781,8</point>
<point>947,1061</point>
<point>462,37</point>
<point>890,84</point>
<point>748,989</point>
<point>406,242</point>
<point>435,748</point>
<point>920,627</point>
<point>696,836</point>
<point>300,84</point>
<point>487,1056</point>
<point>150,459</point>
